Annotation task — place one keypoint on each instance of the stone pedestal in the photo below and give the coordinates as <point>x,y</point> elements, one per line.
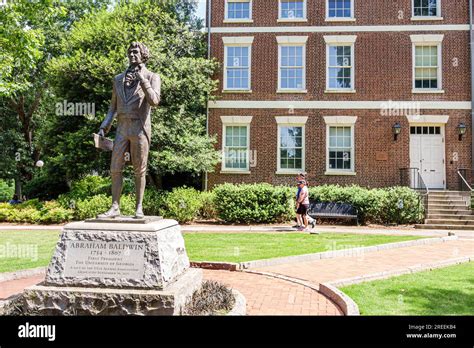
<point>117,267</point>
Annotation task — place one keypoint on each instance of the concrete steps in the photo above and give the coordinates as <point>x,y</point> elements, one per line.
<point>449,210</point>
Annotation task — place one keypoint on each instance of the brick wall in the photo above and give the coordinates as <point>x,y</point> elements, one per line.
<point>373,133</point>
<point>367,12</point>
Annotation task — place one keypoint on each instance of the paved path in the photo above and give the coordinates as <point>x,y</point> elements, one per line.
<point>272,296</point>
<point>362,264</point>
<point>264,295</point>
<point>405,231</point>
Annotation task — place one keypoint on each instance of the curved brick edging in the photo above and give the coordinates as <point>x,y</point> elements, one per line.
<point>26,273</point>
<point>347,304</point>
<point>231,266</point>
<point>340,299</point>
<point>342,252</point>
<point>240,306</point>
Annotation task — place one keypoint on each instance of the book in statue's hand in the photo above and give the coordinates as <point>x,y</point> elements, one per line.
<point>103,143</point>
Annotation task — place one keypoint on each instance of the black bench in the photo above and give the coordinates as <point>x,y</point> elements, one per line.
<point>332,211</point>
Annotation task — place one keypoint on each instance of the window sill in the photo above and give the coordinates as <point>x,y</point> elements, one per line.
<point>246,172</point>
<point>335,172</point>
<point>292,91</point>
<point>238,21</point>
<point>236,91</point>
<point>426,18</point>
<point>340,19</point>
<point>426,91</point>
<point>289,172</point>
<point>340,91</point>
<point>290,20</point>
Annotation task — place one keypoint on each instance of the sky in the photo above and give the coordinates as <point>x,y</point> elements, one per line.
<point>201,8</point>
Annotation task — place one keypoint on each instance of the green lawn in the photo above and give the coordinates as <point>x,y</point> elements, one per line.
<point>231,247</point>
<point>239,247</point>
<point>446,291</point>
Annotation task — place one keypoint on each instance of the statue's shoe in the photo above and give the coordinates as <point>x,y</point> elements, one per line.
<point>111,213</point>
<point>139,213</point>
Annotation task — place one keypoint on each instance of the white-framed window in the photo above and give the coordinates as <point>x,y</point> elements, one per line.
<point>339,10</point>
<point>340,61</point>
<point>340,152</point>
<point>426,9</point>
<point>238,10</point>
<point>236,143</point>
<point>291,145</point>
<point>427,63</point>
<point>292,63</point>
<point>237,63</point>
<point>292,10</point>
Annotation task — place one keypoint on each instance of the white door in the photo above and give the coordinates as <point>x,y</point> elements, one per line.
<point>428,154</point>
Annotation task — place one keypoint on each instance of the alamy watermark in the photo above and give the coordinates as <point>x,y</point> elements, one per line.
<point>395,108</point>
<point>66,108</point>
<point>19,251</point>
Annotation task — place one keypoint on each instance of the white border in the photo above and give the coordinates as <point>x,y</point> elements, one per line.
<point>340,121</point>
<point>435,119</point>
<point>244,41</point>
<point>428,40</point>
<point>289,121</point>
<point>341,40</point>
<point>238,20</point>
<point>343,29</point>
<point>286,20</point>
<point>291,41</point>
<point>340,19</point>
<point>438,16</point>
<point>342,104</point>
<point>240,121</point>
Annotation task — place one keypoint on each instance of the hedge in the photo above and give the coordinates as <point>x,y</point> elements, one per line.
<point>255,203</point>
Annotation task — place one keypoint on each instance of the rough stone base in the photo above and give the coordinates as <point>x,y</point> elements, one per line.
<point>52,300</point>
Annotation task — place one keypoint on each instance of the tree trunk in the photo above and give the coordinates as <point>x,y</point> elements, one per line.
<point>18,186</point>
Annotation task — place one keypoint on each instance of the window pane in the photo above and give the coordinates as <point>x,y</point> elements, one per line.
<point>291,147</point>
<point>237,67</point>
<point>238,10</point>
<point>426,67</point>
<point>425,7</point>
<point>340,148</point>
<point>235,149</point>
<point>292,9</point>
<point>340,8</point>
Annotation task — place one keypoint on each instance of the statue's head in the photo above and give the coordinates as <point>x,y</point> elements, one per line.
<point>137,53</point>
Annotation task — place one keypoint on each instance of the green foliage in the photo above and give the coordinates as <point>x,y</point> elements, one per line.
<point>208,209</point>
<point>45,187</point>
<point>34,211</point>
<point>6,190</point>
<point>182,204</point>
<point>374,205</point>
<point>154,202</point>
<point>92,206</point>
<point>260,203</point>
<point>96,52</point>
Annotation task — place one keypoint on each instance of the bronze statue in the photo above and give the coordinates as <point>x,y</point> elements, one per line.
<point>134,92</point>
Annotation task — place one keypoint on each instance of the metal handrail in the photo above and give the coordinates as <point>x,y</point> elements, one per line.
<point>423,181</point>
<point>465,181</point>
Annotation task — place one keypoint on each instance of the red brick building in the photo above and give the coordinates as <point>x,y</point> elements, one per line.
<point>348,91</point>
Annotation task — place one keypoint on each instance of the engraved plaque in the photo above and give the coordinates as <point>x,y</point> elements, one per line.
<point>381,156</point>
<point>99,259</point>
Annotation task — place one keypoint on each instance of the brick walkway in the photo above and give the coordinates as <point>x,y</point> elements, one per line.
<point>272,296</point>
<point>12,287</point>
<point>325,270</point>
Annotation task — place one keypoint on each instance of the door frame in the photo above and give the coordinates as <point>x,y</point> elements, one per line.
<point>443,136</point>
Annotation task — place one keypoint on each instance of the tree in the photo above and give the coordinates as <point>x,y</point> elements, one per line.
<point>96,52</point>
<point>32,30</point>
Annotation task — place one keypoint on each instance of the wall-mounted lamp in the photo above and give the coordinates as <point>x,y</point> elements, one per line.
<point>397,129</point>
<point>461,130</point>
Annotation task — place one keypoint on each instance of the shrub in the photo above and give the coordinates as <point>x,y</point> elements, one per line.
<point>45,187</point>
<point>7,190</point>
<point>260,203</point>
<point>154,202</point>
<point>92,206</point>
<point>182,204</point>
<point>374,205</point>
<point>53,213</point>
<point>208,208</point>
<point>411,209</point>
